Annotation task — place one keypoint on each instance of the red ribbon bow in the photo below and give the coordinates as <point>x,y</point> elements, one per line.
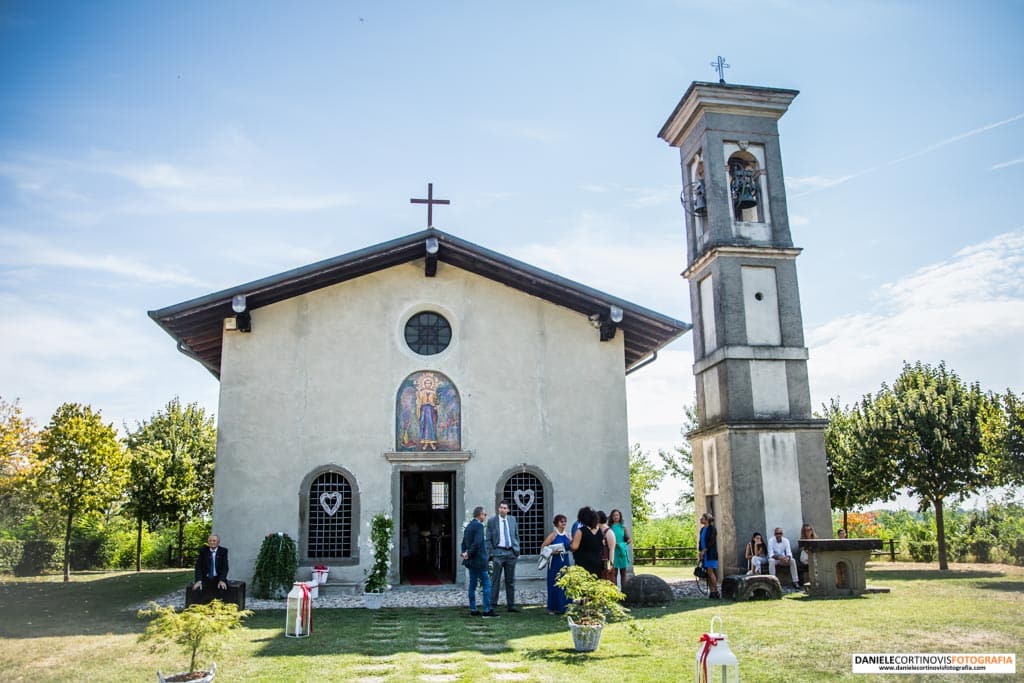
<point>320,567</point>
<point>306,608</point>
<point>709,642</point>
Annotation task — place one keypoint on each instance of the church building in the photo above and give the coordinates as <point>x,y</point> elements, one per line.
<point>419,377</point>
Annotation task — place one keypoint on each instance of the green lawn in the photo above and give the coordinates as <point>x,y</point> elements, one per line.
<point>56,632</point>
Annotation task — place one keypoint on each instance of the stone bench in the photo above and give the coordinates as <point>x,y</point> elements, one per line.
<point>743,587</point>
<point>234,594</point>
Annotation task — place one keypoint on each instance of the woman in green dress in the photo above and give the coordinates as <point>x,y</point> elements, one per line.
<point>622,536</point>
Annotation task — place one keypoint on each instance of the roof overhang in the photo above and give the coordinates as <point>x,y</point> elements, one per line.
<point>197,325</point>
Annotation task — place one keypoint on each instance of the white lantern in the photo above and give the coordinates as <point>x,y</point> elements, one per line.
<point>715,661</point>
<point>298,618</point>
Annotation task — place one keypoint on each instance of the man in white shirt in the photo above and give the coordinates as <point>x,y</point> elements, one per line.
<point>779,552</point>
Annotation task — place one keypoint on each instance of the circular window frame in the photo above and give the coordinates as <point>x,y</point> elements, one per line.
<point>440,315</point>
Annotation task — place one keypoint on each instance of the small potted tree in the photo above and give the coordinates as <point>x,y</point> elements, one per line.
<point>594,601</point>
<point>197,630</point>
<point>381,529</point>
<point>275,568</point>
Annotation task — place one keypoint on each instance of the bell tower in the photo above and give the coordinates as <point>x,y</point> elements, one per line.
<point>758,455</point>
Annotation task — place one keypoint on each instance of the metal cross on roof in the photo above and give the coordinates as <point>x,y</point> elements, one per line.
<point>430,201</point>
<point>720,66</point>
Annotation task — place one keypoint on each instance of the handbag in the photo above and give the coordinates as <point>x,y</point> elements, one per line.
<point>700,572</point>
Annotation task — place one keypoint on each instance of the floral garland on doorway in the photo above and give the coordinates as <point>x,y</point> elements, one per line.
<point>382,528</point>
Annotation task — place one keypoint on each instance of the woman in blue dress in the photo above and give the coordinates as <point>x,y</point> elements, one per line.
<point>556,596</point>
<point>707,551</point>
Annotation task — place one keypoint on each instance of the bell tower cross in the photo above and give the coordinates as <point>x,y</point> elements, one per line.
<point>758,454</point>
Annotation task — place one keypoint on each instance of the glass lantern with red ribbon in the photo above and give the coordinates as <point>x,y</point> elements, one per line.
<point>715,661</point>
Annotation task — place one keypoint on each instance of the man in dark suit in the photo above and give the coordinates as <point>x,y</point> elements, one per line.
<point>211,575</point>
<point>503,547</point>
<point>474,558</point>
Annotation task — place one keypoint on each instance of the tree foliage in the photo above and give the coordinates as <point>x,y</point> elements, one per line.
<point>19,441</point>
<point>1003,438</point>
<point>928,425</point>
<point>197,629</point>
<point>644,477</point>
<point>189,438</point>
<point>82,467</point>
<point>858,472</point>
<point>147,493</point>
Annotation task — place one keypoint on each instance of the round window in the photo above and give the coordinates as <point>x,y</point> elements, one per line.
<point>428,333</point>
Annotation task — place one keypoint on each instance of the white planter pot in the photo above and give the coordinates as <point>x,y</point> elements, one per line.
<point>585,638</point>
<point>210,673</point>
<point>373,600</point>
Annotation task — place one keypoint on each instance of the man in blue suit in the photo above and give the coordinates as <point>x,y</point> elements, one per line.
<point>503,546</point>
<point>474,558</point>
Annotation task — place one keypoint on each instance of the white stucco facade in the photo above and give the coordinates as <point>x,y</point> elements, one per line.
<point>314,385</point>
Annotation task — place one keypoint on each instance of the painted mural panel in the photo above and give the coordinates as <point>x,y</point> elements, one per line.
<point>428,414</point>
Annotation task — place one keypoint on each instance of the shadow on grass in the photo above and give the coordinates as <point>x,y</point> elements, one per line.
<point>1006,586</point>
<point>396,631</point>
<point>931,574</point>
<point>45,607</point>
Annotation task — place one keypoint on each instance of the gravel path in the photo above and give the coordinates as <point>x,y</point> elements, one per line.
<point>409,596</point>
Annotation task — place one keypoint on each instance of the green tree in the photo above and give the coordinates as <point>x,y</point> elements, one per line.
<point>644,478</point>
<point>1003,438</point>
<point>148,466</point>
<point>190,437</point>
<point>19,441</point>
<point>679,462</point>
<point>929,424</point>
<point>82,467</point>
<point>858,474</point>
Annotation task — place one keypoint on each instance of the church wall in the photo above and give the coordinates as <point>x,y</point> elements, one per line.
<point>315,384</point>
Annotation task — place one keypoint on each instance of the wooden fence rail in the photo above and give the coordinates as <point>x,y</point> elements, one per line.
<point>664,553</point>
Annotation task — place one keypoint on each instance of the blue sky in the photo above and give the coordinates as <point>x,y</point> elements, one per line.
<point>151,153</point>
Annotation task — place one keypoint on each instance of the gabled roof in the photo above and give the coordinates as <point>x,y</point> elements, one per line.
<point>197,324</point>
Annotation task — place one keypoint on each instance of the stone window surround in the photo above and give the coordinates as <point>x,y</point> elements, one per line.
<point>307,481</point>
<point>499,489</point>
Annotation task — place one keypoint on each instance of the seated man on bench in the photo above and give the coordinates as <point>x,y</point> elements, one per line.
<point>211,575</point>
<point>779,552</point>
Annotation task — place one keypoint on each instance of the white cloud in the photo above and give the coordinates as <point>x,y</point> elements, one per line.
<point>114,359</point>
<point>601,253</point>
<point>22,251</point>
<point>967,310</point>
<point>86,189</point>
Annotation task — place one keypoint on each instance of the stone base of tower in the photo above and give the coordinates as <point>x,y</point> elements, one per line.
<point>755,476</point>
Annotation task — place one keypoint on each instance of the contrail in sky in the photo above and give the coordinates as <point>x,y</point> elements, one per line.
<point>930,148</point>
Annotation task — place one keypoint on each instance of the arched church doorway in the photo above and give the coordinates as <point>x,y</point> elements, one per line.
<point>427,528</point>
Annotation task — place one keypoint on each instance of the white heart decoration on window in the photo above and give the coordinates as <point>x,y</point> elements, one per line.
<point>330,502</point>
<point>524,499</point>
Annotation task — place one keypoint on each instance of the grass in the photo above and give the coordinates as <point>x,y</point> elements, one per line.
<point>81,631</point>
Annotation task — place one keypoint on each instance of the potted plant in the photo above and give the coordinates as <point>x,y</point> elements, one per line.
<point>594,602</point>
<point>196,630</point>
<point>381,529</point>
<point>275,568</point>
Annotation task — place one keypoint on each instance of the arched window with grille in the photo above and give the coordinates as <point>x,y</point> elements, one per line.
<point>329,515</point>
<point>525,494</point>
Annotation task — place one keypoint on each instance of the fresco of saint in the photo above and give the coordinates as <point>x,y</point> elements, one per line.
<point>427,414</point>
